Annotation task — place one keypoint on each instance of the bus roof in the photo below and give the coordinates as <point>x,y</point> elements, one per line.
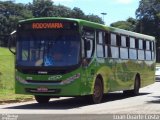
<point>96,26</point>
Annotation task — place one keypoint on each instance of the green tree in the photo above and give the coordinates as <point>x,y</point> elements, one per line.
<point>148,15</point>
<point>10,14</point>
<point>42,8</point>
<point>61,11</point>
<point>94,18</point>
<point>46,8</point>
<point>77,13</point>
<point>129,24</point>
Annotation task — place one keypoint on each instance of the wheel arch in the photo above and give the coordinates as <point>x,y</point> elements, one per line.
<point>104,74</point>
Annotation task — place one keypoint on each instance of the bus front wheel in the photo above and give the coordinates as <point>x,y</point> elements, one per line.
<point>42,99</point>
<point>98,91</point>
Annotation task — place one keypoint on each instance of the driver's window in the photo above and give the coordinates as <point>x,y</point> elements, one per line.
<point>88,42</point>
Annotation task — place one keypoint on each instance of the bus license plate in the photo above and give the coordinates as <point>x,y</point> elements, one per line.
<point>41,89</point>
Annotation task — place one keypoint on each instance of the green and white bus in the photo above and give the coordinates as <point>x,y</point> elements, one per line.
<point>64,57</point>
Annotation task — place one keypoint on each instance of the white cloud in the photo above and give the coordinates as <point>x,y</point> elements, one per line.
<point>124,1</point>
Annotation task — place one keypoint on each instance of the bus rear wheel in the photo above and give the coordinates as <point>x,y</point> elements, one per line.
<point>136,86</point>
<point>98,91</point>
<point>42,99</point>
<point>135,91</point>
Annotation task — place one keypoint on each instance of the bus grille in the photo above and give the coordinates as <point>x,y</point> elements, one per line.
<point>49,91</point>
<point>38,81</point>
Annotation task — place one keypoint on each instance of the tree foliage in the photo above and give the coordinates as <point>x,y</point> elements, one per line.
<point>42,8</point>
<point>11,13</point>
<point>148,16</point>
<point>129,24</point>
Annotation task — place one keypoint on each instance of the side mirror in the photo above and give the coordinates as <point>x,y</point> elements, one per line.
<point>87,43</point>
<point>12,42</point>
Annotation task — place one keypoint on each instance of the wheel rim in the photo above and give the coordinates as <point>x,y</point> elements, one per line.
<point>97,91</point>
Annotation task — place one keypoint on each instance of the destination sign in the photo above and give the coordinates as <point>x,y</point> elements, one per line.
<point>47,26</point>
<point>55,25</point>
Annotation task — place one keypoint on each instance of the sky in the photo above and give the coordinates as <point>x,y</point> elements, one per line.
<point>116,10</point>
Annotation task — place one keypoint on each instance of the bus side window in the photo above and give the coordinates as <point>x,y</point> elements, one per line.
<point>148,52</point>
<point>114,46</point>
<point>100,44</point>
<point>113,39</point>
<point>124,48</point>
<point>152,49</point>
<point>132,49</point>
<point>141,53</point>
<point>107,43</point>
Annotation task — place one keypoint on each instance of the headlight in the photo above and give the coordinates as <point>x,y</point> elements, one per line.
<point>71,79</point>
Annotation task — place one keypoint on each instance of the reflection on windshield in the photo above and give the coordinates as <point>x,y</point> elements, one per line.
<point>48,49</point>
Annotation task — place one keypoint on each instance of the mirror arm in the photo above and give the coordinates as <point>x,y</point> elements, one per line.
<point>9,42</point>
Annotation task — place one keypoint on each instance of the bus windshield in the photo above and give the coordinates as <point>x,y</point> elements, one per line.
<point>48,48</point>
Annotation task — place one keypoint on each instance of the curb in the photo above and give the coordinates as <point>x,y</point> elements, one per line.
<point>16,101</point>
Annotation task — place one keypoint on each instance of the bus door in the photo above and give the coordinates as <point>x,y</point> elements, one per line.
<point>88,48</point>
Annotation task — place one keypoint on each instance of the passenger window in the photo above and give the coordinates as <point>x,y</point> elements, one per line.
<point>100,51</point>
<point>132,50</point>
<point>100,44</point>
<point>123,41</point>
<point>140,44</point>
<point>132,42</point>
<point>100,37</point>
<point>152,46</point>
<point>124,53</point>
<point>141,55</point>
<point>113,39</point>
<point>133,54</point>
<point>148,55</point>
<point>114,52</point>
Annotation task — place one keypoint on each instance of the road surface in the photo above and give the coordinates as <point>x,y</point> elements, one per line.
<point>148,102</point>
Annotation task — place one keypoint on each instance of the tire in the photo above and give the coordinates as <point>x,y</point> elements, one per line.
<point>136,86</point>
<point>98,91</point>
<point>135,91</point>
<point>42,99</point>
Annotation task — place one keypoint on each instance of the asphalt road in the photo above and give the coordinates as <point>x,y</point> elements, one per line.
<point>148,102</point>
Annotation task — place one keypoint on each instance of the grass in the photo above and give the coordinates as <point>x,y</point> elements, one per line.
<point>7,77</point>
